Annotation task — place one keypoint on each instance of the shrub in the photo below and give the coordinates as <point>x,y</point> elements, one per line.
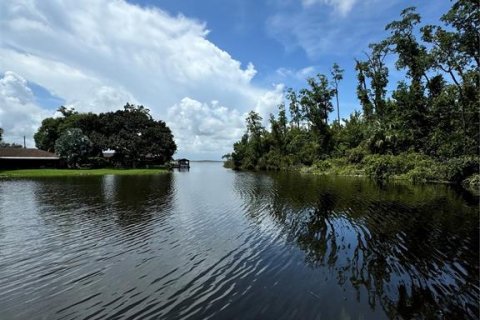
<point>355,155</point>
<point>458,169</point>
<point>383,167</point>
<point>473,183</point>
<point>322,165</point>
<point>98,162</point>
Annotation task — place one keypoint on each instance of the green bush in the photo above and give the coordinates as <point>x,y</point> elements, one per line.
<point>473,183</point>
<point>98,162</point>
<point>458,169</point>
<point>383,167</point>
<point>322,165</point>
<point>356,155</point>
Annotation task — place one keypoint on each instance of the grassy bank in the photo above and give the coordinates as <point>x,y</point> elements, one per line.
<point>33,173</point>
<point>412,167</point>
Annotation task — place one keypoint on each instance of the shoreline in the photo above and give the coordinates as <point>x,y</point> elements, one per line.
<point>40,173</point>
<point>412,168</point>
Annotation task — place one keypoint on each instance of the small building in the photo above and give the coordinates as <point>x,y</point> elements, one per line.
<point>181,163</point>
<point>20,158</point>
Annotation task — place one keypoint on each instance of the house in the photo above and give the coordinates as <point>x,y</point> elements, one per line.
<point>20,158</point>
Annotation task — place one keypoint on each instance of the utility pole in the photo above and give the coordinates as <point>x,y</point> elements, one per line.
<point>24,143</point>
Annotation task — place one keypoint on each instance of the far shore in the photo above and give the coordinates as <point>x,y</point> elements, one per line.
<point>34,173</point>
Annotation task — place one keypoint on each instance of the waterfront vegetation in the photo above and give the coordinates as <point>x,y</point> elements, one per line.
<point>80,138</point>
<point>426,129</point>
<point>38,173</point>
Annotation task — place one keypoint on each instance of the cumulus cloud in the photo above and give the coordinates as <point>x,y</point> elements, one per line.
<point>97,55</point>
<point>209,127</point>
<point>19,115</point>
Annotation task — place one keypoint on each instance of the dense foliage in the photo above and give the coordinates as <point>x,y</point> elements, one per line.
<point>73,146</point>
<point>132,133</point>
<point>432,114</point>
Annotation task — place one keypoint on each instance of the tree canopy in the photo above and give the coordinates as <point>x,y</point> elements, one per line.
<point>73,146</point>
<point>132,133</point>
<point>433,112</point>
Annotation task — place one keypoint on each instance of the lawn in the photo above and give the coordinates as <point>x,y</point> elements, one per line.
<point>33,173</point>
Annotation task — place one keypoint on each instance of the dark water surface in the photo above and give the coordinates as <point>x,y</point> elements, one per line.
<point>216,244</point>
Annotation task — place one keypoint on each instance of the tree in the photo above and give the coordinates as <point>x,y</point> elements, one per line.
<point>278,129</point>
<point>131,132</point>
<point>47,134</point>
<point>434,111</point>
<point>73,146</point>
<point>316,104</point>
<point>375,72</point>
<point>337,76</point>
<point>455,52</point>
<point>295,112</point>
<point>134,135</point>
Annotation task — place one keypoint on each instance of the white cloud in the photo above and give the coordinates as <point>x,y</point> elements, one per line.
<point>19,115</point>
<point>205,128</point>
<point>343,7</point>
<point>300,74</point>
<point>268,102</point>
<point>97,55</point>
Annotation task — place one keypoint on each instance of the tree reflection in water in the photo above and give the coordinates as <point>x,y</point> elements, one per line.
<point>413,249</point>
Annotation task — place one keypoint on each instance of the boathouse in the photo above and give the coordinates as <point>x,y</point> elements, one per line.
<point>21,158</point>
<point>181,163</point>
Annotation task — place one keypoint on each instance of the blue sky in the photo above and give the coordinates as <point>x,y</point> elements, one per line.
<point>267,33</point>
<point>198,65</point>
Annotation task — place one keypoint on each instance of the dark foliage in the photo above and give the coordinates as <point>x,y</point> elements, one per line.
<point>132,133</point>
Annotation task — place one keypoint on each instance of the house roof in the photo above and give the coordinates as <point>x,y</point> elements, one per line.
<point>21,153</point>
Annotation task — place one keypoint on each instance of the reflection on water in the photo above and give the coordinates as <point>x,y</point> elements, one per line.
<point>412,250</point>
<point>213,243</point>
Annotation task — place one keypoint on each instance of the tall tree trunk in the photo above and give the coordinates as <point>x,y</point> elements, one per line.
<point>338,108</point>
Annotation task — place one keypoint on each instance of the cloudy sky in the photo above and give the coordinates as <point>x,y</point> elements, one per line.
<point>198,65</point>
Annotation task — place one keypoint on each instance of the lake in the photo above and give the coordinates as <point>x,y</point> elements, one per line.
<point>211,243</point>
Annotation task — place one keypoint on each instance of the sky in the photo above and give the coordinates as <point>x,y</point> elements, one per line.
<point>200,66</point>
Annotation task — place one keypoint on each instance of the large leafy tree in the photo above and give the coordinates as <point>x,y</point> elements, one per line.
<point>316,104</point>
<point>47,134</point>
<point>135,135</point>
<point>372,75</point>
<point>131,132</point>
<point>73,146</point>
<point>455,54</point>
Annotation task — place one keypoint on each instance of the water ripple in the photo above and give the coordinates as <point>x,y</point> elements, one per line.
<point>216,244</point>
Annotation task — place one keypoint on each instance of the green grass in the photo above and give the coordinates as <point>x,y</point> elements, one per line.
<point>34,173</point>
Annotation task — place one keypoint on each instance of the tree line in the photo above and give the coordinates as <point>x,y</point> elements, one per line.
<point>132,133</point>
<point>4,144</point>
<point>433,113</point>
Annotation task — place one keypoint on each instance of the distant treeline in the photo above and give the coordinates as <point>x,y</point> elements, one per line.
<point>4,144</point>
<point>433,113</point>
<point>132,133</point>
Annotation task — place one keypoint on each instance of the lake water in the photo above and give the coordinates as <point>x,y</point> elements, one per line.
<point>212,243</point>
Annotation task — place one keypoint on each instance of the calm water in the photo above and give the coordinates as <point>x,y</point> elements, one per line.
<point>213,243</point>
